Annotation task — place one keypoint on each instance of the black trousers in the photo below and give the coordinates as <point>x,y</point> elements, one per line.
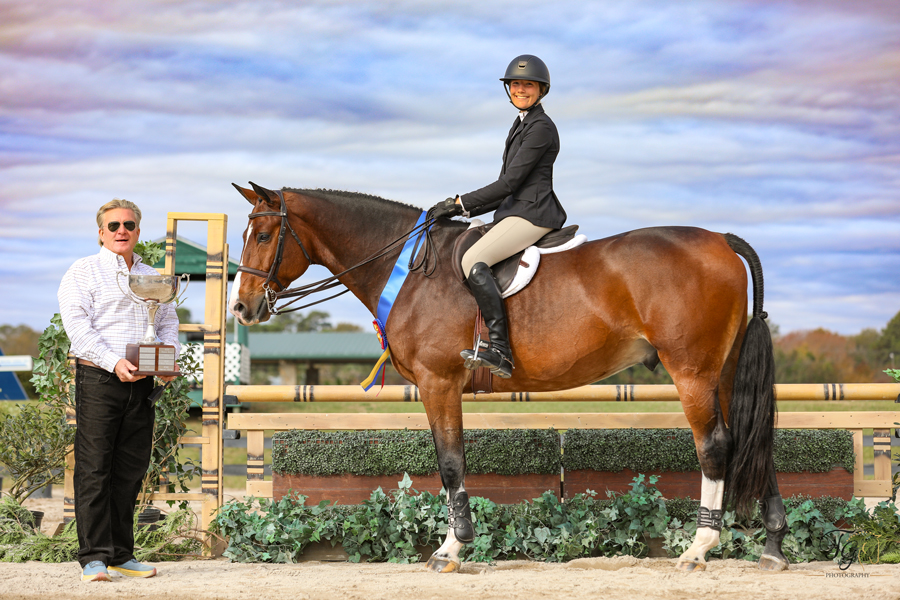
<point>113,442</point>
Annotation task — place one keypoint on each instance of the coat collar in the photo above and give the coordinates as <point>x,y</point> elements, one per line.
<point>531,116</point>
<point>535,110</point>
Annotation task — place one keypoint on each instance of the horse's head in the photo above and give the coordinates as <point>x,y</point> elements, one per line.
<point>271,259</point>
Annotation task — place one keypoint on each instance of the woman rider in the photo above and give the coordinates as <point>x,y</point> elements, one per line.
<point>523,198</point>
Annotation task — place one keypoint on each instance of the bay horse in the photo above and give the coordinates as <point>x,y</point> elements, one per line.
<point>676,295</point>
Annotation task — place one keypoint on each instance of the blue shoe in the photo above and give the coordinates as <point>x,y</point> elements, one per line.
<point>95,571</point>
<point>133,568</point>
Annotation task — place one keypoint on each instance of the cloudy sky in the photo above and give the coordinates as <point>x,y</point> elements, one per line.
<point>778,121</point>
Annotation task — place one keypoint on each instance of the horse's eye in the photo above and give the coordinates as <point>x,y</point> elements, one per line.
<point>263,237</point>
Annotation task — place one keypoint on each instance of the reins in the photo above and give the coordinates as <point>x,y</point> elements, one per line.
<point>328,283</point>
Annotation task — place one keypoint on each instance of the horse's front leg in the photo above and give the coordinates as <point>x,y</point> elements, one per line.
<point>444,409</point>
<point>460,532</point>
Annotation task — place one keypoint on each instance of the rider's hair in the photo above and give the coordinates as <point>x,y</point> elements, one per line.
<point>113,204</point>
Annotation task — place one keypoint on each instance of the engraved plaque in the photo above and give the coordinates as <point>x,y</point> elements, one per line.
<point>158,359</point>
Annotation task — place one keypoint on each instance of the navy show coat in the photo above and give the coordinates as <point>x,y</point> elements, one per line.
<point>525,186</point>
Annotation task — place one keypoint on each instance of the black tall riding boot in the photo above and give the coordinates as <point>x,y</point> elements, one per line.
<point>498,357</point>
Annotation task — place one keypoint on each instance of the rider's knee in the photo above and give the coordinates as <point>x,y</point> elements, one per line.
<point>479,273</point>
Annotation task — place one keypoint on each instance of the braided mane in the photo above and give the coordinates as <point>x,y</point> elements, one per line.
<point>342,196</point>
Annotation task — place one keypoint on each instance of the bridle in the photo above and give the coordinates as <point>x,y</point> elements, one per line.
<point>272,274</point>
<point>301,292</point>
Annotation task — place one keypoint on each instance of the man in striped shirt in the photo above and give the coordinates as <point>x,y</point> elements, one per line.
<point>114,438</point>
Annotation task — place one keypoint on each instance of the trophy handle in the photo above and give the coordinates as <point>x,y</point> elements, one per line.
<point>129,293</point>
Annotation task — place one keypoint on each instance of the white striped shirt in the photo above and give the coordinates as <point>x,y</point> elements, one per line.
<point>99,319</point>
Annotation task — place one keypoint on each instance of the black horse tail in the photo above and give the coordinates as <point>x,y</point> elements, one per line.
<point>751,416</point>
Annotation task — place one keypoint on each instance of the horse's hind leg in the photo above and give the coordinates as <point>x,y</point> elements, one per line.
<point>713,443</point>
<point>445,416</point>
<point>774,518</point>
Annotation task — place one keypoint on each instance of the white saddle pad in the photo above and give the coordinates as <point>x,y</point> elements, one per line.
<point>532,258</point>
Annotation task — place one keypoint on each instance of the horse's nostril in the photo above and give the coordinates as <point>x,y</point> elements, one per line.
<point>238,307</point>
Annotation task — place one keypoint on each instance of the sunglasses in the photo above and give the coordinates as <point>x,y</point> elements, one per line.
<point>114,225</point>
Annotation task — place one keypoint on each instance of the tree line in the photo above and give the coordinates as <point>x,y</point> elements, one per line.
<point>297,322</point>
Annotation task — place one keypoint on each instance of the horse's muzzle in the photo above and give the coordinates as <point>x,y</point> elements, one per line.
<point>250,313</point>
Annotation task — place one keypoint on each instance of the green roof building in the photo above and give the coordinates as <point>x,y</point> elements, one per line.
<point>315,347</point>
<point>190,257</point>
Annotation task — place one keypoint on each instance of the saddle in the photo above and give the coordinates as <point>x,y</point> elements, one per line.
<point>514,273</point>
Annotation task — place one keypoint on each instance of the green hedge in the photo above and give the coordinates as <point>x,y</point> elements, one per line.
<point>503,451</point>
<point>640,450</point>
<point>813,450</point>
<point>643,450</point>
<point>516,451</point>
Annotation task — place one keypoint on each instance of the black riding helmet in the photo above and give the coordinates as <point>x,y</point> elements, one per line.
<point>527,68</point>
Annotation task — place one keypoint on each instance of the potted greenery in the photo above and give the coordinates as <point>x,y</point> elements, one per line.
<point>34,441</point>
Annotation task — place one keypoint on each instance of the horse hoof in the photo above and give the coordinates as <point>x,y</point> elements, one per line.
<point>689,566</point>
<point>767,562</point>
<point>442,565</point>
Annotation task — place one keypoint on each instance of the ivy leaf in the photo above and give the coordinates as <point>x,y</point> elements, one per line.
<point>541,534</point>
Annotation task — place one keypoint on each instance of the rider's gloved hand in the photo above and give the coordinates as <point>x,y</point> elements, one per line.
<point>447,208</point>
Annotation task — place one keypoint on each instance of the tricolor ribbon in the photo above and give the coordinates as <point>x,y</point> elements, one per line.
<point>382,339</point>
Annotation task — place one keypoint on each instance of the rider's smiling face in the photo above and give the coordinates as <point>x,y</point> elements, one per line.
<point>524,93</point>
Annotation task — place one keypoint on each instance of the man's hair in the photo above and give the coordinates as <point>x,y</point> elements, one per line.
<point>113,204</point>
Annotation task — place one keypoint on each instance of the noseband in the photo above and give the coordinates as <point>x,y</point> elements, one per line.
<point>272,275</point>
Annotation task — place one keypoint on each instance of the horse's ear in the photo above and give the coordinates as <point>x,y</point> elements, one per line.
<point>268,196</point>
<point>250,195</point>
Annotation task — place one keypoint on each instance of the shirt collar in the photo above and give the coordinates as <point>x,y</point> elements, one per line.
<point>108,256</point>
<point>523,114</point>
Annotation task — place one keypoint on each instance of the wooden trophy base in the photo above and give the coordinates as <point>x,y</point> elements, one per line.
<point>152,359</point>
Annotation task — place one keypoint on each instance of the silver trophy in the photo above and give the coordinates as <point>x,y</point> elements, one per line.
<point>150,355</point>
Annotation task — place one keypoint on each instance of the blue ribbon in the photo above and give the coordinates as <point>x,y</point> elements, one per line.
<point>398,276</point>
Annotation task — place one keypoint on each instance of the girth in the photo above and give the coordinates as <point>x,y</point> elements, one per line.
<point>505,270</point>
